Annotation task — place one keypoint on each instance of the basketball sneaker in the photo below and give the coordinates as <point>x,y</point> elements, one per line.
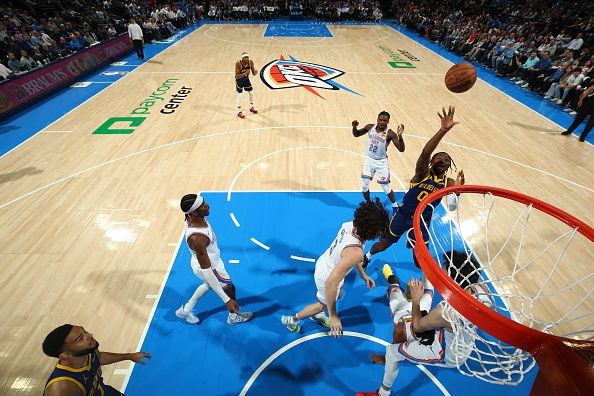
<point>240,317</point>
<point>187,315</point>
<point>387,271</point>
<point>240,115</point>
<point>389,275</point>
<point>365,261</point>
<point>252,110</point>
<point>367,393</point>
<point>290,323</point>
<point>321,319</point>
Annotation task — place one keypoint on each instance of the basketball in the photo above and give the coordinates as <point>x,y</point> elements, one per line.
<point>460,77</point>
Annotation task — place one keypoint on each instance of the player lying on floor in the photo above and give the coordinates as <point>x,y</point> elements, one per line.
<point>422,335</point>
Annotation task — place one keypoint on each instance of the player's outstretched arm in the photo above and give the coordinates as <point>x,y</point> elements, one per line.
<point>447,123</point>
<point>396,137</point>
<point>362,131</point>
<point>433,319</point>
<point>348,259</point>
<point>370,283</point>
<point>110,357</point>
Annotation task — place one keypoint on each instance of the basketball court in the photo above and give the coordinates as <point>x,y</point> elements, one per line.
<point>92,177</point>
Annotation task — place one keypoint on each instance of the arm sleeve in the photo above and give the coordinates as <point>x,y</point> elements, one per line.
<point>213,282</point>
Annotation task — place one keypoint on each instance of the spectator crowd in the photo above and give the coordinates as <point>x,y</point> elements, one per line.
<point>34,33</point>
<point>323,10</point>
<point>544,46</point>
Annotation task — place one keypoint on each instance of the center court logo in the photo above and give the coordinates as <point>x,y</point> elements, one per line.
<point>283,73</point>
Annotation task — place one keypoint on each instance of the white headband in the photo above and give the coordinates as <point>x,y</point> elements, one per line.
<point>244,55</point>
<point>196,205</point>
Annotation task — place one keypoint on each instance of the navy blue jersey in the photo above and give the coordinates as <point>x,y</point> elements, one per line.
<point>243,67</point>
<point>243,82</point>
<point>88,378</point>
<point>418,192</point>
<point>401,222</point>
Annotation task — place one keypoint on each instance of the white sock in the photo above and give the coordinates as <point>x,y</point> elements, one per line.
<point>239,95</point>
<point>251,95</point>
<point>368,255</point>
<point>383,392</point>
<point>200,291</point>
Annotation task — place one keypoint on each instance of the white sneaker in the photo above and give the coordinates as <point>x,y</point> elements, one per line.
<point>240,317</point>
<point>321,319</point>
<point>290,324</point>
<point>514,78</point>
<point>519,82</point>
<point>188,316</point>
<point>572,113</point>
<point>559,101</point>
<point>547,96</point>
<point>526,85</point>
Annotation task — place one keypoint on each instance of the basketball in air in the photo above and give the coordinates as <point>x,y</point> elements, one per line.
<point>461,77</point>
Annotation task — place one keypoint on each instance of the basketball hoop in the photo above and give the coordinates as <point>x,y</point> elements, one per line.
<point>537,289</point>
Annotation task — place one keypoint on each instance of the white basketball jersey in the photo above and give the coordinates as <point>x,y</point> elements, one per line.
<point>214,254</point>
<point>376,144</point>
<point>345,238</point>
<point>459,346</point>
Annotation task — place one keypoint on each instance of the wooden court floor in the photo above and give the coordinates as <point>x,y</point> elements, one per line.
<point>89,230</point>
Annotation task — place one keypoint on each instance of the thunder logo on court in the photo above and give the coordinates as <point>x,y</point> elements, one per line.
<point>283,73</point>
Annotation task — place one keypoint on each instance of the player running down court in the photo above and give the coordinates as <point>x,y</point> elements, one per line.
<point>376,153</point>
<point>206,262</point>
<point>345,253</point>
<point>430,176</point>
<point>243,67</point>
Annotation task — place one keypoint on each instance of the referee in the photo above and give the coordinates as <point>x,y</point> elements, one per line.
<point>135,34</point>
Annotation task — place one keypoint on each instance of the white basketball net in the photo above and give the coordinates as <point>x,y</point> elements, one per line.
<point>529,267</point>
